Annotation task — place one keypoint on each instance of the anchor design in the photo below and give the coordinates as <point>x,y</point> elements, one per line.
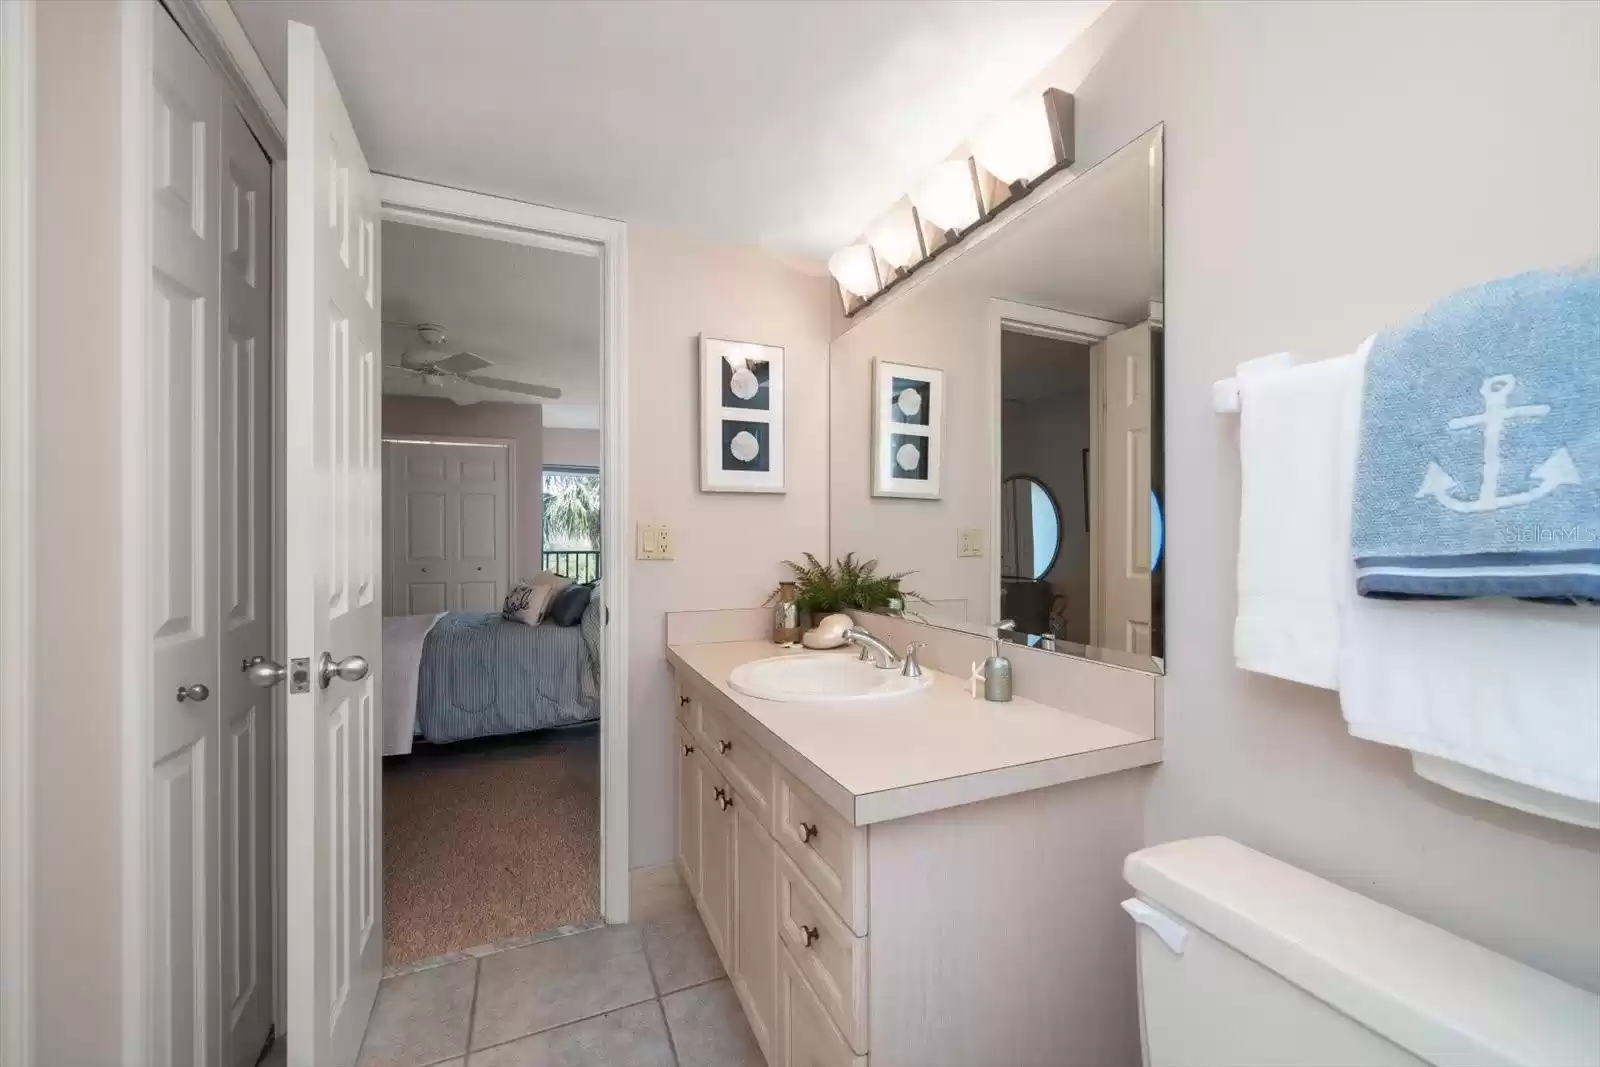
<point>1552,474</point>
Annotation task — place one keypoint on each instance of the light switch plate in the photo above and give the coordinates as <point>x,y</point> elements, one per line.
<point>970,542</point>
<point>655,541</point>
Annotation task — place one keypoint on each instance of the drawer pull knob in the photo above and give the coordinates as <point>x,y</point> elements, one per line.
<point>724,746</point>
<point>683,702</point>
<point>724,801</point>
<point>811,934</point>
<point>687,749</point>
<point>808,830</point>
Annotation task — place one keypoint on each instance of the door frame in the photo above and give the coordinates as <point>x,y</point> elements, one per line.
<point>1004,315</point>
<point>480,215</point>
<point>16,514</point>
<point>510,517</point>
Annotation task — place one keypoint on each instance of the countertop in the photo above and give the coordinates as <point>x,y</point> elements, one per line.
<point>938,748</point>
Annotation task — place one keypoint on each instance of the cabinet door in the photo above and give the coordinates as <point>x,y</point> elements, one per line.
<point>688,812</point>
<point>805,1036</point>
<point>716,858</point>
<point>755,925</point>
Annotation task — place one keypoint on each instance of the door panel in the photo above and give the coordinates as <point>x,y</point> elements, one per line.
<point>755,921</point>
<point>1121,497</point>
<point>244,549</point>
<point>182,391</point>
<point>716,859</point>
<point>447,528</point>
<point>333,845</point>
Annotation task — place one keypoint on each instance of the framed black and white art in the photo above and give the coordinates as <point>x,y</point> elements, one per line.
<point>741,417</point>
<point>907,430</point>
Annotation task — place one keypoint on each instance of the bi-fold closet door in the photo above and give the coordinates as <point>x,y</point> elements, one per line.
<point>209,390</point>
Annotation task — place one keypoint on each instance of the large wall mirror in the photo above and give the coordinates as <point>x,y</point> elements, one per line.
<point>996,423</point>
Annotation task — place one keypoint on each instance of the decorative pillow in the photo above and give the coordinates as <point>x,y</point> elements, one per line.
<point>568,606</point>
<point>551,579</point>
<point>527,603</point>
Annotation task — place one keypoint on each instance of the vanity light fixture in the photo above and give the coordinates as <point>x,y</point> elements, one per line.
<point>1013,154</point>
<point>948,196</point>
<point>897,238</point>
<point>1028,138</point>
<point>856,270</point>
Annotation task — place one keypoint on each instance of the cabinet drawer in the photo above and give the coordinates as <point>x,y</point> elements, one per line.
<point>833,960</point>
<point>744,763</point>
<point>830,853</point>
<point>806,1036</point>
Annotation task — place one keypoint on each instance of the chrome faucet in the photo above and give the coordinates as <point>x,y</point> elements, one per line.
<point>871,648</point>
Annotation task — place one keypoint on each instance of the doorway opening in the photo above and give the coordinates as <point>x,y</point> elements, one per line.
<point>494,618</point>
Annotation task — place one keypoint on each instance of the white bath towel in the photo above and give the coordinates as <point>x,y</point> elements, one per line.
<point>1291,558</point>
<point>403,637</point>
<point>1506,687</point>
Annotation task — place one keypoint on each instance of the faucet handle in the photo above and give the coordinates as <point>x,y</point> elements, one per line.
<point>912,668</point>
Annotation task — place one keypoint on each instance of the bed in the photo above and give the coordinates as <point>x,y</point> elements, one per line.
<point>461,675</point>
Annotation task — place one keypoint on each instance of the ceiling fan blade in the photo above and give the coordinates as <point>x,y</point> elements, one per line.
<point>408,371</point>
<point>463,363</point>
<point>545,391</point>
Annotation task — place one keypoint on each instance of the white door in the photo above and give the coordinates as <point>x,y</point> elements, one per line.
<point>181,385</point>
<point>1121,497</point>
<point>447,527</point>
<point>244,505</point>
<point>333,838</point>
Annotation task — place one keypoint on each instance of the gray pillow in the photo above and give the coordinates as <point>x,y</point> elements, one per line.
<point>568,606</point>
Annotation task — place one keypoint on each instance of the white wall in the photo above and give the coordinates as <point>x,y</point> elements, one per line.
<point>728,544</point>
<point>522,423</point>
<point>1333,168</point>
<point>571,448</point>
<point>77,537</point>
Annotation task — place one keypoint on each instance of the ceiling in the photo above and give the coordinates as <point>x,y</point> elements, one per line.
<point>535,312</point>
<point>790,124</point>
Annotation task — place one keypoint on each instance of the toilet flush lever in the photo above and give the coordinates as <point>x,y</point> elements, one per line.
<point>1172,932</point>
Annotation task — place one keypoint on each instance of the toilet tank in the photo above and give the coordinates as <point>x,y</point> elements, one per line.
<point>1249,962</point>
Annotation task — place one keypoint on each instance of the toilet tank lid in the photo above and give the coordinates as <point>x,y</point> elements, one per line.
<point>1442,998</point>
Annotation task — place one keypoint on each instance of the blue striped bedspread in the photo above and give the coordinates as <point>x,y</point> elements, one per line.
<point>483,675</point>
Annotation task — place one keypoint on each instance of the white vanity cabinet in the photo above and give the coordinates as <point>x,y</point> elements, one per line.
<point>950,919</point>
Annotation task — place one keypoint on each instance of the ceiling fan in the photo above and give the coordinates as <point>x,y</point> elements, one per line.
<point>436,362</point>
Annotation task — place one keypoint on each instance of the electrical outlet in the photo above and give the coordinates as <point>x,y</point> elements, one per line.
<point>970,542</point>
<point>656,541</point>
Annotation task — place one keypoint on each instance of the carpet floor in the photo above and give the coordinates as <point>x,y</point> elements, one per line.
<point>485,840</point>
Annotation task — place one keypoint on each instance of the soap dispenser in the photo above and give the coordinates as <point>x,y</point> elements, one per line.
<point>997,669</point>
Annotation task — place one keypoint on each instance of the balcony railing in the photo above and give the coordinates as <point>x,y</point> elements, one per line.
<point>581,565</point>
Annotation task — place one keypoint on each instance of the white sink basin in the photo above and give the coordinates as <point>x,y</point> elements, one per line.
<point>827,677</point>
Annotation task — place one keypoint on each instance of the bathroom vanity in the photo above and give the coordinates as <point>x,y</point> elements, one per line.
<point>923,879</point>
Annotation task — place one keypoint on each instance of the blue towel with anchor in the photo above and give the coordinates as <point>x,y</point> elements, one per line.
<point>1479,470</point>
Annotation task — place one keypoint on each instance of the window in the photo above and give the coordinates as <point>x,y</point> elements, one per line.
<point>571,545</point>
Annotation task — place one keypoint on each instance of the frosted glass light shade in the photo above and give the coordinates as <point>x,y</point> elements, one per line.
<point>947,197</point>
<point>855,270</point>
<point>1016,145</point>
<point>894,237</point>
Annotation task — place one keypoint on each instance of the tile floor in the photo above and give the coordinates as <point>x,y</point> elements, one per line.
<point>649,994</point>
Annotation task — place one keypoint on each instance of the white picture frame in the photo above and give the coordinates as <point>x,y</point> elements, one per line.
<point>907,430</point>
<point>741,417</point>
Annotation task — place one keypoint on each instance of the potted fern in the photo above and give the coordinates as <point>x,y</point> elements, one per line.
<point>846,583</point>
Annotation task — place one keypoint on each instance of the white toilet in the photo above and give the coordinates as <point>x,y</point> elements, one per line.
<point>1249,962</point>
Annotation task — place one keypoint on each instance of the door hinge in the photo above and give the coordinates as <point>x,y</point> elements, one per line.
<point>300,675</point>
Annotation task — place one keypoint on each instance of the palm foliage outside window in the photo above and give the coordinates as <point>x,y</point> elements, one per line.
<point>572,522</point>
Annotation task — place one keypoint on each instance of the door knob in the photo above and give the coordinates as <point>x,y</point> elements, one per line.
<point>351,669</point>
<point>194,692</point>
<point>262,672</point>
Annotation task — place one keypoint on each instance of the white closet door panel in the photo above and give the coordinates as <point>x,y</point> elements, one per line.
<point>245,545</point>
<point>181,390</point>
<point>1121,521</point>
<point>333,842</point>
<point>480,527</point>
<point>447,529</point>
